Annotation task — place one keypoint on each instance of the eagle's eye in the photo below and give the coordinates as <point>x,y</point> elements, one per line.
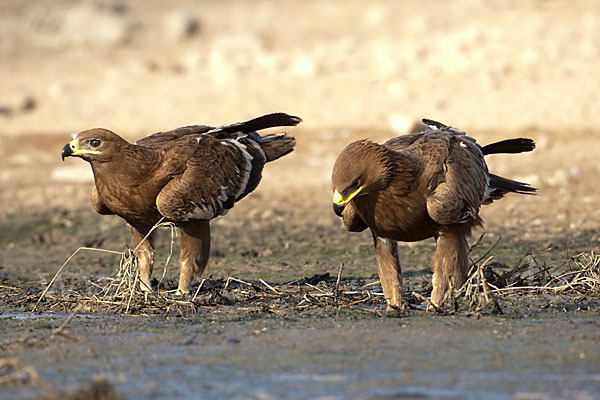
<point>95,142</point>
<point>355,184</point>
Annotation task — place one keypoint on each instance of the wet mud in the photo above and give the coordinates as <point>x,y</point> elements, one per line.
<point>345,356</point>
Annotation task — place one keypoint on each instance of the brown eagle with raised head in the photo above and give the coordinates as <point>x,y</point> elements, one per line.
<point>417,186</point>
<point>188,176</point>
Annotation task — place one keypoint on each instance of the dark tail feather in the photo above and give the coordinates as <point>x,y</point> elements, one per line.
<point>510,185</point>
<point>500,186</point>
<point>277,145</point>
<point>519,145</point>
<point>430,122</point>
<point>274,145</point>
<point>264,122</point>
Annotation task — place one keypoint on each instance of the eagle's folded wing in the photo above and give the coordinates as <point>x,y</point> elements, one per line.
<point>399,143</point>
<point>217,175</point>
<point>457,188</point>
<point>166,138</point>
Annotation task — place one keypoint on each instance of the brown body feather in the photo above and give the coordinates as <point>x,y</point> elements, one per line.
<point>417,186</point>
<point>187,176</point>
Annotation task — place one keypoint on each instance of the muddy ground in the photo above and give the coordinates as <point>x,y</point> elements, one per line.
<point>358,69</point>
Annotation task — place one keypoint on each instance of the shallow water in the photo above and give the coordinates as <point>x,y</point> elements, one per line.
<point>29,315</point>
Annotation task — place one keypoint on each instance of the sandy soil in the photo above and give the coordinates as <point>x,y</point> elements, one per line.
<point>497,69</point>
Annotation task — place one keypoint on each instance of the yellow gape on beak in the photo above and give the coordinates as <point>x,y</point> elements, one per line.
<point>72,149</point>
<point>339,203</point>
<point>77,151</point>
<point>339,200</point>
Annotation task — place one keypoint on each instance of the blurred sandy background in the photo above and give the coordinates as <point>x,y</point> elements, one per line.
<point>350,69</point>
<point>141,66</point>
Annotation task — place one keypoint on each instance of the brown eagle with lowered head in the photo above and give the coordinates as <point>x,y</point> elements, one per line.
<point>188,176</point>
<point>417,186</point>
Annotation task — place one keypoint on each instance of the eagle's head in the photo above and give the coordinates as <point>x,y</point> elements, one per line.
<point>363,167</point>
<point>94,145</point>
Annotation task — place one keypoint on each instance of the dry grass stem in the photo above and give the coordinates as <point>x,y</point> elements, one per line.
<point>64,265</point>
<point>269,287</point>
<point>337,282</point>
<point>198,290</point>
<point>59,330</point>
<point>488,281</point>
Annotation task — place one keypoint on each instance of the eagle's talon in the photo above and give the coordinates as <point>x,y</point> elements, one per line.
<point>179,293</point>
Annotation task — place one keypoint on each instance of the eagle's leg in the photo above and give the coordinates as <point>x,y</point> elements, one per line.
<point>390,271</point>
<point>195,250</point>
<point>144,252</point>
<point>450,264</point>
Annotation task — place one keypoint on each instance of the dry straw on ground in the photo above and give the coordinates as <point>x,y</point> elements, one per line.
<point>487,283</point>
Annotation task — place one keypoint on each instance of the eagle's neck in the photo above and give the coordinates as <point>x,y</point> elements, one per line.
<point>390,171</point>
<point>388,166</point>
<point>132,166</point>
<point>127,184</point>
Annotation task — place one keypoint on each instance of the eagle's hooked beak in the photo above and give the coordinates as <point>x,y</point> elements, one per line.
<point>339,203</point>
<point>67,151</point>
<point>72,149</point>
